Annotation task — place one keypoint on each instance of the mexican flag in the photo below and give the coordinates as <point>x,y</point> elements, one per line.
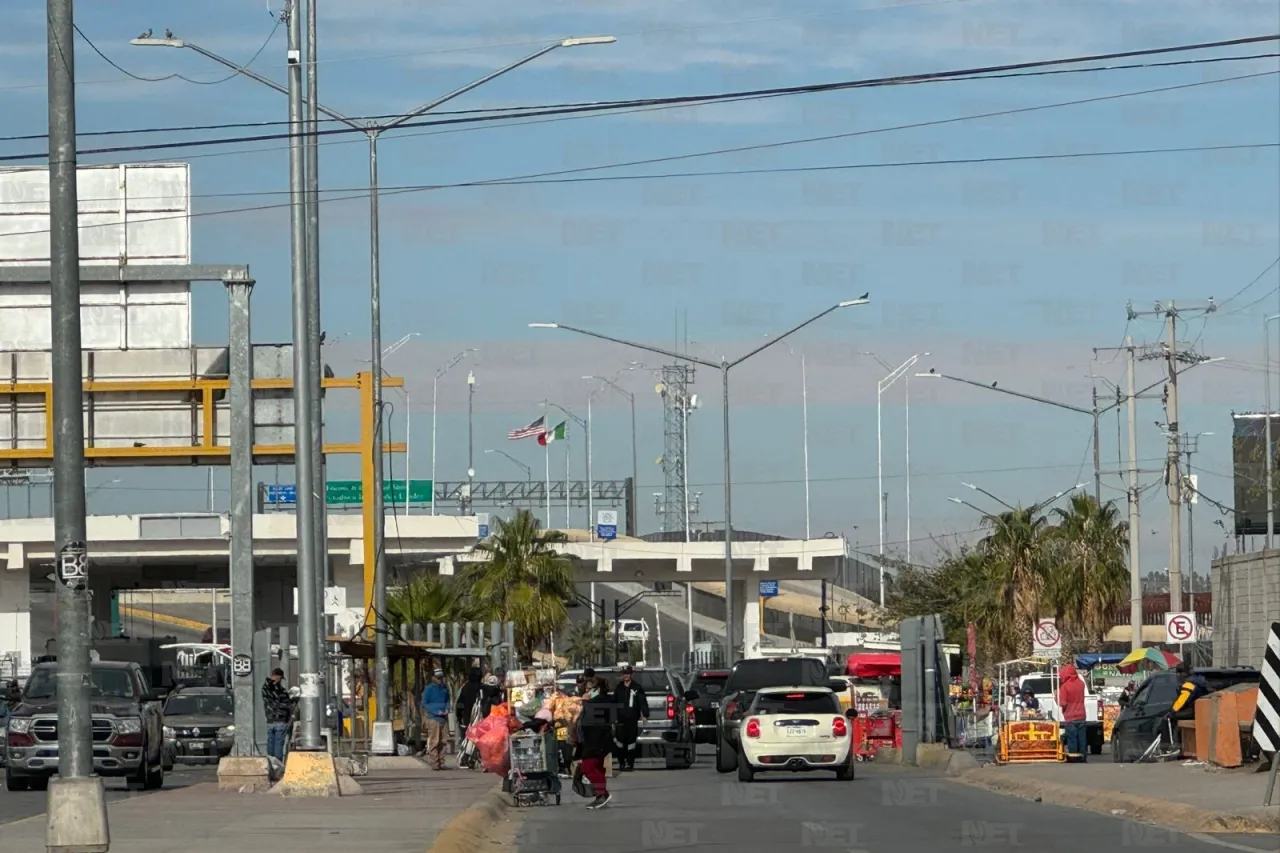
<point>557,434</point>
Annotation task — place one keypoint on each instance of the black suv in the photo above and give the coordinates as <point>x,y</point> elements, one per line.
<point>1141,720</point>
<point>748,676</point>
<point>709,685</point>
<point>669,733</point>
<point>127,725</point>
<point>198,725</point>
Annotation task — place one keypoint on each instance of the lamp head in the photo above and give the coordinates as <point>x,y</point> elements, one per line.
<point>585,40</point>
<point>544,325</point>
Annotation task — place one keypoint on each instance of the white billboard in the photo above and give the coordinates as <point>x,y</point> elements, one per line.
<point>136,214</point>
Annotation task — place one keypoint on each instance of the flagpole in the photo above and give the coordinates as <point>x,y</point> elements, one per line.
<point>546,447</point>
<point>567,521</point>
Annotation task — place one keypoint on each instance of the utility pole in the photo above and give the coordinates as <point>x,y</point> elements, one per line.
<point>1172,354</point>
<point>1135,530</point>
<point>304,382</point>
<point>471,439</point>
<point>77,807</point>
<point>1097,452</point>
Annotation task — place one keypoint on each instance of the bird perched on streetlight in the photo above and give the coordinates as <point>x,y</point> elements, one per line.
<point>168,33</point>
<point>145,35</point>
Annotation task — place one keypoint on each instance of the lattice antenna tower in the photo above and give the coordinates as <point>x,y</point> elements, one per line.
<point>677,402</point>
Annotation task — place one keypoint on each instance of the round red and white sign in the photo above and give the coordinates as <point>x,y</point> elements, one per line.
<point>1181,628</point>
<point>1047,635</point>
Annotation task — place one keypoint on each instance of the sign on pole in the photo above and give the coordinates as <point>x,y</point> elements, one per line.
<point>607,524</point>
<point>351,493</point>
<point>482,525</point>
<point>768,589</point>
<point>1179,628</point>
<point>1046,641</point>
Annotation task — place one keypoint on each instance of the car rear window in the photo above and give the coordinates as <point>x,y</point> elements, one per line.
<point>1039,686</point>
<point>652,681</point>
<point>632,626</point>
<point>710,684</point>
<point>757,674</point>
<point>797,703</point>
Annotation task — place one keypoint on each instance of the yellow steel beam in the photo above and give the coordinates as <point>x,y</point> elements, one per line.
<point>45,389</point>
<point>185,452</point>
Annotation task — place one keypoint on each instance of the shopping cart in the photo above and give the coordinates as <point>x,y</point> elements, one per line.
<point>533,779</point>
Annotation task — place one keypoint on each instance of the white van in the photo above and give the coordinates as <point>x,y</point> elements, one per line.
<point>631,631</point>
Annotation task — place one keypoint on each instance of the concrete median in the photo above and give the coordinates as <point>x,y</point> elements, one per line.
<point>484,826</point>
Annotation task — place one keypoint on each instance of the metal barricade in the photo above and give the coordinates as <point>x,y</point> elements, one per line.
<point>1031,742</point>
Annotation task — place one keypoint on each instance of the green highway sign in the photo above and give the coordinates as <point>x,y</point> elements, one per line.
<point>349,492</point>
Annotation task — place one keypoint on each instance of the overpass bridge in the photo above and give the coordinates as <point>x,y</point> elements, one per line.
<point>135,552</point>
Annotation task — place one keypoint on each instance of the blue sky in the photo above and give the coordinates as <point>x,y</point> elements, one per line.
<point>1010,272</point>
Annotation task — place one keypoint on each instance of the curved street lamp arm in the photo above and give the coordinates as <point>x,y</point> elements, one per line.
<point>1020,394</point>
<point>645,347</point>
<point>862,300</point>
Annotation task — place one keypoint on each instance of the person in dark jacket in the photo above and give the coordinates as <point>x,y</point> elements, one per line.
<point>586,682</point>
<point>467,697</point>
<point>633,706</point>
<point>595,740</point>
<point>278,707</point>
<point>492,693</point>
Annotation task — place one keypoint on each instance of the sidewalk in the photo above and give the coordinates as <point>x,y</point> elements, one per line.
<point>399,812</point>
<point>1187,796</point>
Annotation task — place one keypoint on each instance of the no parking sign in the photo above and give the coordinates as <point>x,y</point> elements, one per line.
<point>1180,628</point>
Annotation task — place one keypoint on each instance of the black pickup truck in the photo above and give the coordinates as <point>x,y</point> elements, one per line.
<point>745,679</point>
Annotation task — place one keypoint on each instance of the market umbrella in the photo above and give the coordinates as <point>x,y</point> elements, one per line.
<point>1155,657</point>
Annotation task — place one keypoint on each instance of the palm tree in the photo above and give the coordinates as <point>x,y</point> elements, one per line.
<point>1014,566</point>
<point>429,599</point>
<point>586,643</point>
<point>523,580</point>
<point>1089,581</point>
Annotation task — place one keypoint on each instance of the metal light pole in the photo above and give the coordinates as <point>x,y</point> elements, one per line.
<point>631,398</point>
<point>586,427</point>
<point>1191,445</point>
<point>77,810</point>
<point>373,131</point>
<point>591,516</point>
<point>804,405</point>
<point>1269,451</point>
<point>895,373</point>
<point>724,367</point>
<point>528,472</point>
<point>471,438</point>
<point>435,388</point>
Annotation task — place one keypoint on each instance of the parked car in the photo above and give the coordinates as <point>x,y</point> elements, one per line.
<point>709,685</point>
<point>630,631</point>
<point>747,678</point>
<point>796,730</point>
<point>1140,721</point>
<point>198,725</point>
<point>127,724</point>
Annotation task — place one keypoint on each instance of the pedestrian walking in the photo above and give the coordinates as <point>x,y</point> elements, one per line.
<point>435,712</point>
<point>277,705</point>
<point>632,707</point>
<point>595,740</point>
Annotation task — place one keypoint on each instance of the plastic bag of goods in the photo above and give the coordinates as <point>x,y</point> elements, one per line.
<point>490,737</point>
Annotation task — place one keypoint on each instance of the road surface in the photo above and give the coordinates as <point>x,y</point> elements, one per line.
<point>16,805</point>
<point>884,809</point>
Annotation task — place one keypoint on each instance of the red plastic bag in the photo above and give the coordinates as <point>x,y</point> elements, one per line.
<point>490,737</point>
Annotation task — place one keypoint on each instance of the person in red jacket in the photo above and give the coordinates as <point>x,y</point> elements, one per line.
<point>1071,711</point>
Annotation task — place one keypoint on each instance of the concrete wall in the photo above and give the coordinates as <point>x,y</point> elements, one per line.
<point>1246,600</point>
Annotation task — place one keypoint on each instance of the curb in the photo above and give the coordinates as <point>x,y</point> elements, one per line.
<point>468,832</point>
<point>1180,816</point>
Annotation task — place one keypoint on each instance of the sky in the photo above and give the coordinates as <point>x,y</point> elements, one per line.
<point>1005,271</point>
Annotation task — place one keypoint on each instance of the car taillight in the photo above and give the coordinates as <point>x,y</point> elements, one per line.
<point>134,739</point>
<point>839,728</point>
<point>730,709</point>
<point>688,709</point>
<point>753,728</point>
<point>21,739</point>
<point>671,707</point>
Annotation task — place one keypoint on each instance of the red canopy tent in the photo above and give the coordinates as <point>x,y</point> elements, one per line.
<point>874,665</point>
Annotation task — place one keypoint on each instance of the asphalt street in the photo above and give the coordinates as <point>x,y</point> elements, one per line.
<point>17,805</point>
<point>884,809</point>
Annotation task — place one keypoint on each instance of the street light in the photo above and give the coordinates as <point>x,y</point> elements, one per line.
<point>1270,452</point>
<point>435,388</point>
<point>373,131</point>
<point>631,398</point>
<point>408,434</point>
<point>1034,508</point>
<point>528,472</point>
<point>724,366</point>
<point>895,373</point>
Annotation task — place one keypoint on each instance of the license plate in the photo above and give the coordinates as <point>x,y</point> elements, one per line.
<point>715,706</point>
<point>797,731</point>
<point>197,747</point>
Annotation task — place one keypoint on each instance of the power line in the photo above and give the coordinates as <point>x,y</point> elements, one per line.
<point>756,94</point>
<point>496,113</point>
<point>562,177</point>
<point>1242,290</point>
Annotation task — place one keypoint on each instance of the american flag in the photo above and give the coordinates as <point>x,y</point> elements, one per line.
<point>536,428</point>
